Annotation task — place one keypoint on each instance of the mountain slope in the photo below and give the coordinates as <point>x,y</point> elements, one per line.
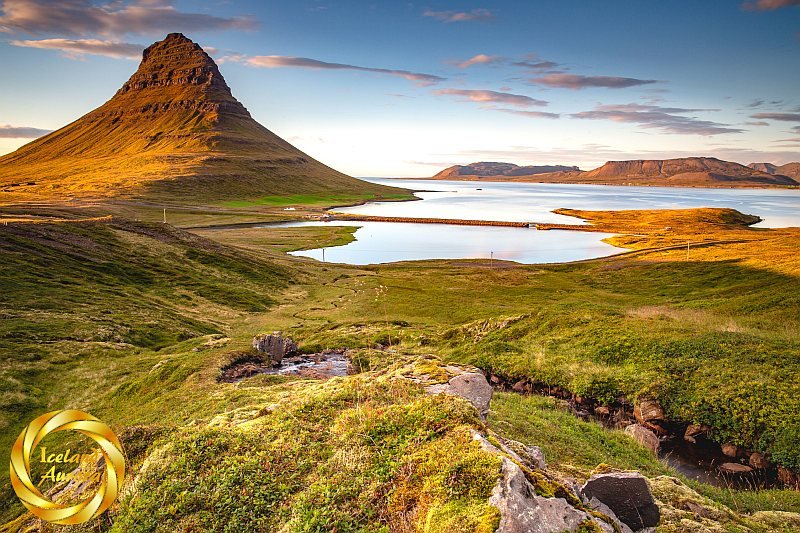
<point>683,172</point>
<point>174,128</point>
<point>688,171</point>
<point>789,169</point>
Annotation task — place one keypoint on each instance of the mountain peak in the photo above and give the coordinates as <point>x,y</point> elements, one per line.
<point>177,62</point>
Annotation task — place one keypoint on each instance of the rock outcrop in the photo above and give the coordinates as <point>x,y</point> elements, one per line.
<point>627,495</point>
<point>523,509</point>
<point>275,345</point>
<point>687,171</point>
<point>791,170</point>
<point>683,172</point>
<point>472,386</point>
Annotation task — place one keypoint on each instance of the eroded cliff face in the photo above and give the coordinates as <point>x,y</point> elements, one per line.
<point>671,167</point>
<point>176,73</point>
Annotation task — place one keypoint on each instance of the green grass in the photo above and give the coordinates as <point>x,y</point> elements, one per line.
<point>715,339</point>
<point>348,455</point>
<point>87,306</point>
<point>577,449</point>
<point>132,321</point>
<point>285,239</point>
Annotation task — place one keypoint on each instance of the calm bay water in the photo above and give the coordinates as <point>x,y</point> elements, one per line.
<point>385,242</point>
<point>533,202</point>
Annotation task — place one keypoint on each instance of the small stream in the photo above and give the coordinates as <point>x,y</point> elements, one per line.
<point>699,461</point>
<point>322,365</point>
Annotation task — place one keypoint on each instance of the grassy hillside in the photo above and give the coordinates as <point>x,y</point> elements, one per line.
<point>714,337</point>
<point>86,304</point>
<point>132,321</point>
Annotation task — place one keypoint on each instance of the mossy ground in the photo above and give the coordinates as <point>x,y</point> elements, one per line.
<point>132,321</point>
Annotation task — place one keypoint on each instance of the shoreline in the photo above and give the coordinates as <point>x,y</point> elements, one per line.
<point>496,179</point>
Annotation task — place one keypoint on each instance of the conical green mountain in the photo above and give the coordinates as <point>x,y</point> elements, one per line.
<point>173,131</point>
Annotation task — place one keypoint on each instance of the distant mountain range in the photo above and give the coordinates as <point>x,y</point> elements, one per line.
<point>484,169</point>
<point>789,169</point>
<point>683,172</point>
<point>173,131</point>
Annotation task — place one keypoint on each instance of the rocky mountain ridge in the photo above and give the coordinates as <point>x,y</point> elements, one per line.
<point>791,170</point>
<point>681,172</point>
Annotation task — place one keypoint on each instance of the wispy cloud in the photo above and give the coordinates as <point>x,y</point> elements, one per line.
<point>83,17</point>
<point>305,62</point>
<point>528,113</point>
<point>756,103</point>
<point>770,5</point>
<point>460,16</point>
<point>74,48</point>
<point>757,123</point>
<point>530,62</point>
<point>535,63</point>
<point>480,59</point>
<point>794,141</point>
<point>492,97</point>
<point>784,117</point>
<point>577,81</point>
<point>667,119</point>
<point>21,132</point>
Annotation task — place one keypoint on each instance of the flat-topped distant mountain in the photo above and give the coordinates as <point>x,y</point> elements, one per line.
<point>487,168</point>
<point>789,169</point>
<point>173,130</point>
<point>683,172</point>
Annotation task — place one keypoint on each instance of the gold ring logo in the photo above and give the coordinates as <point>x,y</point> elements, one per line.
<point>110,483</point>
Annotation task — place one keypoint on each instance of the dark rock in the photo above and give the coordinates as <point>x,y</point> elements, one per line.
<point>649,413</point>
<point>734,468</point>
<point>731,450</point>
<point>627,495</point>
<point>597,505</point>
<point>758,460</point>
<point>276,345</point>
<point>789,479</point>
<point>695,431</point>
<point>519,386</point>
<point>602,410</point>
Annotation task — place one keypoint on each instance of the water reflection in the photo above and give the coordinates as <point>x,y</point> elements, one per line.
<point>386,242</point>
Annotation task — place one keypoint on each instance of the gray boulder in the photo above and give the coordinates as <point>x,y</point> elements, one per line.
<point>523,511</point>
<point>471,386</point>
<point>627,495</point>
<point>275,345</point>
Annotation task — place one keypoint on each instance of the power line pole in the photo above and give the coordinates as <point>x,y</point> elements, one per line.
<point>165,215</point>
<point>491,260</point>
<point>323,255</point>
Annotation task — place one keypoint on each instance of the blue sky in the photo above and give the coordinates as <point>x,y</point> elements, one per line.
<point>403,88</point>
